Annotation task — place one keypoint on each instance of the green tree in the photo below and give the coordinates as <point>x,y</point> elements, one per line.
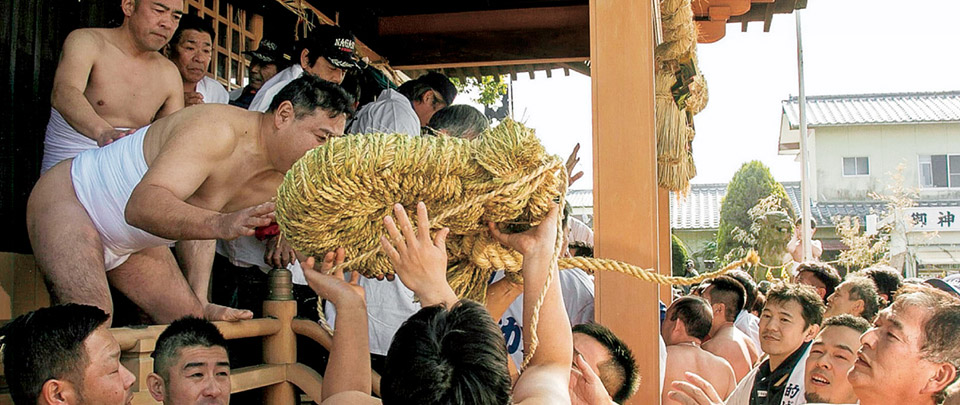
<point>749,185</point>
<point>680,255</point>
<point>490,89</point>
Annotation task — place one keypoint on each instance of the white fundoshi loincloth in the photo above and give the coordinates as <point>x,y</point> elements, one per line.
<point>62,142</point>
<point>103,180</point>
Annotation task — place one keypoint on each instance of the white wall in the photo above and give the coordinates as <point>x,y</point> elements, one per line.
<point>887,146</point>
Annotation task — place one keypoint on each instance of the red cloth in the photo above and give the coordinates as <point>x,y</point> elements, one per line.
<point>268,231</point>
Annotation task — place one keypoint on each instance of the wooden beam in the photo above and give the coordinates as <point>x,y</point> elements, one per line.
<point>487,20</point>
<point>768,17</point>
<point>625,178</point>
<point>307,379</point>
<point>577,59</point>
<point>253,377</point>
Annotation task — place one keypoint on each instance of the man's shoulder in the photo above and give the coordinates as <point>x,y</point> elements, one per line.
<point>87,38</point>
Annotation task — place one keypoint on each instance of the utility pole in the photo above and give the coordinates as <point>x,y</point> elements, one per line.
<point>804,164</point>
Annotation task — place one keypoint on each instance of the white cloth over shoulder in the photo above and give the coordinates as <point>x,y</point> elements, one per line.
<point>795,384</point>
<point>391,113</point>
<point>248,251</point>
<point>576,286</point>
<point>62,142</point>
<point>261,101</point>
<point>389,304</point>
<point>103,180</point>
<point>212,91</point>
<point>750,326</point>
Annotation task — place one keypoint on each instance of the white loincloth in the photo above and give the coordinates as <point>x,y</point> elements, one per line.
<point>103,180</point>
<point>62,142</point>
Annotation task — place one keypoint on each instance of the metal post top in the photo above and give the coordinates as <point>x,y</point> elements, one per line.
<point>281,285</point>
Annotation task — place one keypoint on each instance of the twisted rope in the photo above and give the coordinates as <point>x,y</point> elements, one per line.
<point>337,195</point>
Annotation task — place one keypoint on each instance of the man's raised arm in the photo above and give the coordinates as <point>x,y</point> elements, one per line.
<point>80,50</point>
<point>546,378</point>
<point>158,204</point>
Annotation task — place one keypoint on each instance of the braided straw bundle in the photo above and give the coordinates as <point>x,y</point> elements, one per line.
<point>675,165</point>
<point>679,30</point>
<point>337,195</point>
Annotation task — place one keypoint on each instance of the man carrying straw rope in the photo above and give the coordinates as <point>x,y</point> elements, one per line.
<point>204,173</point>
<point>451,351</point>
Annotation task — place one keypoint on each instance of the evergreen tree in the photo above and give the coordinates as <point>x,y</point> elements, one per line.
<point>680,255</point>
<point>749,185</point>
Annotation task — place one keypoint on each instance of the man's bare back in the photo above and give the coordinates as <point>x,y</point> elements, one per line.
<point>682,358</point>
<point>110,79</point>
<point>202,174</point>
<point>734,347</point>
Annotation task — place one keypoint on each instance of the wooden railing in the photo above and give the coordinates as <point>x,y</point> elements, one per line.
<point>280,371</point>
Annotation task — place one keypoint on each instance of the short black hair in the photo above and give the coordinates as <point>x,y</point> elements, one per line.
<point>441,356</point>
<point>47,344</point>
<point>887,279</point>
<point>695,314</point>
<point>184,332</point>
<point>728,291</point>
<point>415,89</point>
<point>805,295</point>
<point>459,120</point>
<point>622,365</point>
<point>309,93</point>
<point>823,272</point>
<point>749,286</point>
<point>862,288</point>
<point>190,22</point>
<point>853,322</point>
<point>813,223</point>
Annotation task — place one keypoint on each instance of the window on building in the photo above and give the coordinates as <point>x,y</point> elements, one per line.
<point>237,30</point>
<point>856,166</point>
<point>939,171</point>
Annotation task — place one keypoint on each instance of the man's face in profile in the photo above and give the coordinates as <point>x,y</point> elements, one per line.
<point>832,355</point>
<point>105,380</point>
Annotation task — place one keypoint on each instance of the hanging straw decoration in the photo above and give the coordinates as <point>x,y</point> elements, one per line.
<point>337,195</point>
<point>680,93</point>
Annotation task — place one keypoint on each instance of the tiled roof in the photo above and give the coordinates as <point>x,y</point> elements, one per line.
<point>860,109</point>
<point>700,209</point>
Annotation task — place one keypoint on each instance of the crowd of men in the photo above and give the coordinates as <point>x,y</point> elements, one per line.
<point>156,191</point>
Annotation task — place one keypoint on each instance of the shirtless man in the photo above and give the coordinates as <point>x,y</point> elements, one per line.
<point>205,173</point>
<point>110,80</point>
<point>687,323</point>
<point>726,297</point>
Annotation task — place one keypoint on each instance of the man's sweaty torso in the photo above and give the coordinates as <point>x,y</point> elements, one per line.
<point>238,182</point>
<point>127,91</point>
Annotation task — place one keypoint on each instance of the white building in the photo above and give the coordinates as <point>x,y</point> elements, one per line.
<point>855,144</point>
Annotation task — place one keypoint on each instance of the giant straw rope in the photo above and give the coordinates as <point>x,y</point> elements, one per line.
<point>338,194</point>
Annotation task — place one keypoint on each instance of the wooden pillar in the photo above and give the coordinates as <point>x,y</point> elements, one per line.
<point>666,247</point>
<point>625,177</point>
<point>281,347</point>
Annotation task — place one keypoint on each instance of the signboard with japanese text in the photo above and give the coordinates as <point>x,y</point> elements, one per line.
<point>940,219</point>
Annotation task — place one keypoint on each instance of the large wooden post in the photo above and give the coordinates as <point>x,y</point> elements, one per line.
<point>625,177</point>
<point>280,347</point>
